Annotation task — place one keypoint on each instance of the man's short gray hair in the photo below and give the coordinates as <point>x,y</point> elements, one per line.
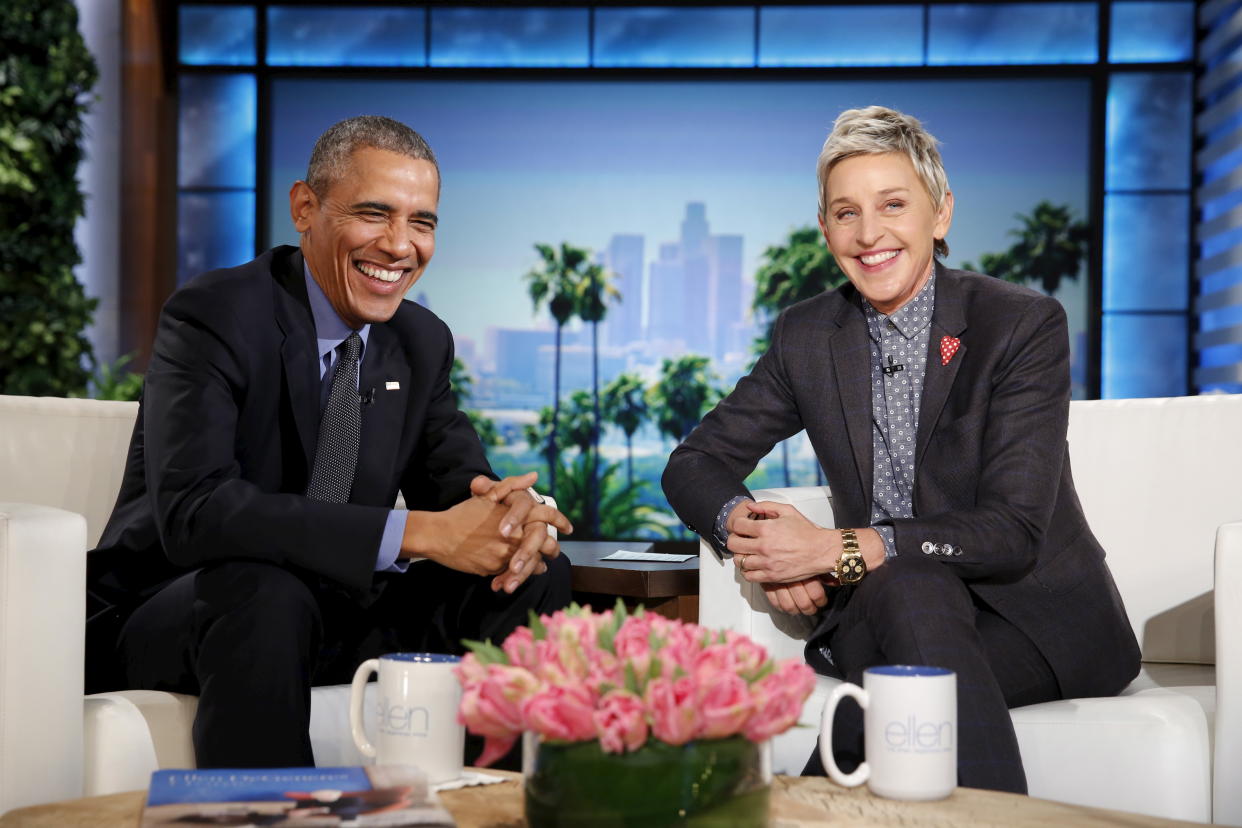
<point>876,130</point>
<point>330,157</point>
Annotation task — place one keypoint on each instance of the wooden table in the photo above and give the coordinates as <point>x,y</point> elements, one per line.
<point>670,588</point>
<point>797,802</point>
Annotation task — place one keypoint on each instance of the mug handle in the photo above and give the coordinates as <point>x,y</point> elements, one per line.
<point>860,774</point>
<point>357,691</point>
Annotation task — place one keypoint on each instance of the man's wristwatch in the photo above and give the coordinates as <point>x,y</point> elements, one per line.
<point>850,566</point>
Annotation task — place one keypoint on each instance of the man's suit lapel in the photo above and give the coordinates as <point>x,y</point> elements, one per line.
<point>851,356</point>
<point>948,319</point>
<point>382,417</point>
<point>298,351</point>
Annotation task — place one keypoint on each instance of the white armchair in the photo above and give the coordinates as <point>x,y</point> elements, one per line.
<point>1159,482</point>
<point>67,456</point>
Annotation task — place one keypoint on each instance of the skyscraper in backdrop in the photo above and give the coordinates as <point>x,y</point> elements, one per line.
<point>695,289</point>
<point>624,258</point>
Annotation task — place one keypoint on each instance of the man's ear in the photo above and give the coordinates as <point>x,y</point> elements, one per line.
<point>302,204</point>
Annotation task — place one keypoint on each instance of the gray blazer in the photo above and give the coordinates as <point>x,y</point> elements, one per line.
<point>992,473</point>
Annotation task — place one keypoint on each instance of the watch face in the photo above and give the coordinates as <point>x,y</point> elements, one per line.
<point>851,569</point>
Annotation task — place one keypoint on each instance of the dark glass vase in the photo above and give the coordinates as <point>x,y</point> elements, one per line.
<point>711,783</point>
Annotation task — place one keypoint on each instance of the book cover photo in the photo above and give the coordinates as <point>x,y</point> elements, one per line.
<point>377,795</point>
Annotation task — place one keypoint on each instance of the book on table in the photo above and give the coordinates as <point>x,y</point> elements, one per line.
<point>365,797</point>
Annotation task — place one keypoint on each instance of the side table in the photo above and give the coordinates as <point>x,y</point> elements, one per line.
<point>670,588</point>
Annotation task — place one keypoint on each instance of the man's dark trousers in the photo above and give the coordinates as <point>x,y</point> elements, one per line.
<point>251,639</point>
<point>915,610</point>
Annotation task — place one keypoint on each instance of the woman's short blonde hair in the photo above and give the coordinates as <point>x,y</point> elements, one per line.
<point>876,130</point>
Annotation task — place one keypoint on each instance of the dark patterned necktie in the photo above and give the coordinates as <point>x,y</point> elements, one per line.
<point>336,453</point>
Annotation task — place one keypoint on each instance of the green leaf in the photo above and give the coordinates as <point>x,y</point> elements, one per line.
<point>631,680</point>
<point>46,76</point>
<point>486,652</point>
<point>607,638</point>
<point>767,669</point>
<point>537,628</point>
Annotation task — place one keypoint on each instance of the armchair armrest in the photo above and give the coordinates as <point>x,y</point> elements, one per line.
<point>42,649</point>
<point>728,601</point>
<point>1227,768</point>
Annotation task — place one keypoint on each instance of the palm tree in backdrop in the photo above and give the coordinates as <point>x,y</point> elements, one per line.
<point>625,406</point>
<point>594,291</point>
<point>799,269</point>
<point>1051,246</point>
<point>462,382</point>
<point>683,394</point>
<point>617,509</point>
<point>555,283</point>
<point>577,422</point>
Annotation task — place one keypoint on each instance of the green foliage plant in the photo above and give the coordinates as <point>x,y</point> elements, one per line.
<point>112,382</point>
<point>46,74</point>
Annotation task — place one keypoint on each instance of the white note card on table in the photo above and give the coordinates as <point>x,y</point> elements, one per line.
<point>627,555</point>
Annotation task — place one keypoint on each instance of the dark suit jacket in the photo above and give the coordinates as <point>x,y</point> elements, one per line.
<point>992,473</point>
<point>226,432</point>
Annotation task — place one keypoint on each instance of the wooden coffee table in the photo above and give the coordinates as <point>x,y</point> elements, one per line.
<point>797,802</point>
<point>670,588</point>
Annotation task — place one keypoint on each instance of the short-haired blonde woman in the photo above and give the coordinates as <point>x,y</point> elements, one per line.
<point>936,401</point>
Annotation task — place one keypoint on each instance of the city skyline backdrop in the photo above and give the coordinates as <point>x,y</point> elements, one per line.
<point>677,188</point>
<point>583,162</point>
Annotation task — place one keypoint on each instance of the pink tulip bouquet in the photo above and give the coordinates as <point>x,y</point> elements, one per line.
<point>622,679</point>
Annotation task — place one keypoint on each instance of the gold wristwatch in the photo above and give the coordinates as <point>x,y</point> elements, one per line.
<point>850,566</point>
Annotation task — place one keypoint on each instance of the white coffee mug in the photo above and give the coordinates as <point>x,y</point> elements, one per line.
<point>909,732</point>
<point>415,720</point>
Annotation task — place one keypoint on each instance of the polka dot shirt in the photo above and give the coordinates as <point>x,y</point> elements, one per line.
<point>898,369</point>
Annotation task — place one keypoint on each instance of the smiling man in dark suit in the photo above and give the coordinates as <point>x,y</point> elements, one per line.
<point>254,550</point>
<point>937,403</point>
